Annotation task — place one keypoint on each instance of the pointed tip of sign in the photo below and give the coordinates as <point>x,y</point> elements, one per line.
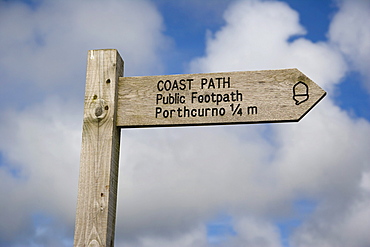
<point>313,105</point>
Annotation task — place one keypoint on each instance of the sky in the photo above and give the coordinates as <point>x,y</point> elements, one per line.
<point>288,184</point>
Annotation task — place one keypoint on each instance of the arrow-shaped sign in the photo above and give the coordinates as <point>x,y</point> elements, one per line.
<point>216,98</point>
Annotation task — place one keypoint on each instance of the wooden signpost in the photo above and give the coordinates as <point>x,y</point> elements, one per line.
<point>113,102</point>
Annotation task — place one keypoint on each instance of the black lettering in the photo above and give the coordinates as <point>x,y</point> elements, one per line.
<point>190,81</point>
<point>216,98</point>
<point>167,85</point>
<point>239,96</point>
<point>232,96</point>
<point>203,82</point>
<point>186,112</point>
<point>166,113</point>
<point>158,111</point>
<point>219,98</point>
<point>252,110</point>
<point>175,85</point>
<point>226,82</point>
<point>200,98</point>
<point>182,84</point>
<point>226,98</point>
<point>159,97</point>
<point>159,87</point>
<point>193,112</point>
<point>171,99</point>
<point>214,112</point>
<point>179,110</point>
<point>218,82</point>
<point>211,84</point>
<point>165,100</point>
<point>201,112</point>
<point>207,98</point>
<point>207,110</point>
<point>236,96</point>
<point>193,96</point>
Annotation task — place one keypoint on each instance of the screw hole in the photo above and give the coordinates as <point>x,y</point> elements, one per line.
<point>108,81</point>
<point>95,96</point>
<point>106,108</point>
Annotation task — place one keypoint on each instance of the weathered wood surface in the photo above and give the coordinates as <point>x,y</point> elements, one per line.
<point>216,98</point>
<point>97,192</point>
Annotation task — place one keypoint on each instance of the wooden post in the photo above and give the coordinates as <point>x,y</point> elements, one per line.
<point>97,190</point>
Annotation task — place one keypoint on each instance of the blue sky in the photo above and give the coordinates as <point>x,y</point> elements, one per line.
<point>293,184</point>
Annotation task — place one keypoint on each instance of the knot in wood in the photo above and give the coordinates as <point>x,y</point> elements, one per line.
<point>99,109</point>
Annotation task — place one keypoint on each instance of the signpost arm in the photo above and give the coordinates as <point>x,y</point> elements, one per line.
<point>97,190</point>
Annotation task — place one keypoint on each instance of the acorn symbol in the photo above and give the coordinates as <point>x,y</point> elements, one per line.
<point>300,92</point>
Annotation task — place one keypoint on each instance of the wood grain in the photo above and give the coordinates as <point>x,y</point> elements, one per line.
<point>97,191</point>
<point>248,97</point>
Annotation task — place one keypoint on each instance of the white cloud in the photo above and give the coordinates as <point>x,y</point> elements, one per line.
<point>346,227</point>
<point>177,172</point>
<point>350,32</point>
<point>43,146</point>
<point>256,233</point>
<point>253,25</point>
<point>47,45</point>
